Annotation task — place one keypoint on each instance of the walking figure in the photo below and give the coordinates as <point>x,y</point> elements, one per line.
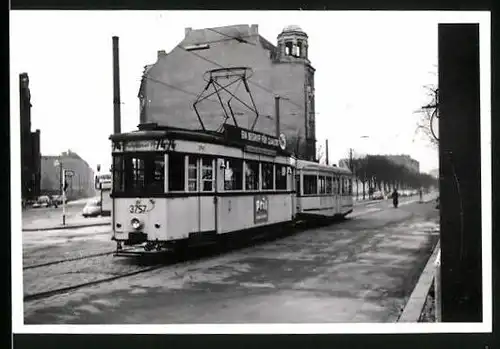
<point>420,194</point>
<point>395,197</point>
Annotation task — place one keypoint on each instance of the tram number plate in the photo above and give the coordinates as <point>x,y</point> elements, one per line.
<point>261,208</point>
<point>137,208</point>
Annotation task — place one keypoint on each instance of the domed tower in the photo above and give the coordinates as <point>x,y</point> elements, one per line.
<point>293,50</point>
<point>292,43</point>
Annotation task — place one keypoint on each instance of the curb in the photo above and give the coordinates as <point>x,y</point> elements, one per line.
<point>415,304</point>
<point>61,227</point>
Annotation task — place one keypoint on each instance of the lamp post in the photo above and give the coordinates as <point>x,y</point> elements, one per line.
<point>100,185</point>
<point>63,185</point>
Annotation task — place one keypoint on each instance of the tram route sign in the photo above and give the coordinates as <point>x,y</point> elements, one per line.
<point>250,137</point>
<point>260,209</point>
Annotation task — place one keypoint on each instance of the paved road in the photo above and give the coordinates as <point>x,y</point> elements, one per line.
<point>359,270</point>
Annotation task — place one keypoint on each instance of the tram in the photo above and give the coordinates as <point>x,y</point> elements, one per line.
<point>322,191</point>
<point>173,188</point>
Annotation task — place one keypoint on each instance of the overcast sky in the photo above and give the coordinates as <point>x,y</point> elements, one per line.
<point>371,69</point>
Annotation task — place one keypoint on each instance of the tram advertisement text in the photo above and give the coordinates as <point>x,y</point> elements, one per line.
<point>261,206</point>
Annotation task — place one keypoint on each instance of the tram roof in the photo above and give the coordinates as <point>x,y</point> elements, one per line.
<point>151,132</point>
<point>309,165</point>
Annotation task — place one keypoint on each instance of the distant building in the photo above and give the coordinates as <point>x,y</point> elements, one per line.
<point>434,173</point>
<point>170,86</point>
<point>80,184</point>
<point>30,144</point>
<point>406,161</point>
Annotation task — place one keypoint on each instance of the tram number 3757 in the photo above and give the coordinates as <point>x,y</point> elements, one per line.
<point>137,208</point>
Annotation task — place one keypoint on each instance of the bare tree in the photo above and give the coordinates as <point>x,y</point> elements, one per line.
<point>429,115</point>
<point>320,154</point>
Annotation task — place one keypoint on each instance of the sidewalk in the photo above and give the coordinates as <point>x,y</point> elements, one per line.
<point>72,222</point>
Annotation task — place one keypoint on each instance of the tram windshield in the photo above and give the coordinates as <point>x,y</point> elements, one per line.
<point>139,173</point>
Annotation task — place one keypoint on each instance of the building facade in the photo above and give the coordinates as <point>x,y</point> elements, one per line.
<point>80,182</point>
<point>279,81</point>
<point>30,144</point>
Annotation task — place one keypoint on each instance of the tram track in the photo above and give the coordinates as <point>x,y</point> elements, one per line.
<point>62,290</point>
<point>34,266</point>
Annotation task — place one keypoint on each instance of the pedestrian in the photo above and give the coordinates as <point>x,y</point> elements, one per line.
<point>395,197</point>
<point>420,195</point>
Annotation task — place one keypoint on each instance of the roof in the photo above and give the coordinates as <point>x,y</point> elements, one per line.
<point>310,165</point>
<point>292,28</point>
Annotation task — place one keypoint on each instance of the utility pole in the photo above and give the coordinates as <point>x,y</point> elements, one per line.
<point>62,186</point>
<point>326,151</point>
<point>100,185</point>
<point>350,160</point>
<point>277,112</point>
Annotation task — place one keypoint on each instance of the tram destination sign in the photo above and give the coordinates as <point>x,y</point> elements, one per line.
<point>242,135</point>
<point>142,145</point>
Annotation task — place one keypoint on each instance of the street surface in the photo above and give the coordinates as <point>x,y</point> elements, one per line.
<point>359,270</point>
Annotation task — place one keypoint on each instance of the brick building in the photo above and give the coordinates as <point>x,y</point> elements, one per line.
<point>30,144</point>
<point>170,86</point>
<point>80,184</point>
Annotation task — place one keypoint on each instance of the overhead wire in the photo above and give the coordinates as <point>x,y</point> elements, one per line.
<point>250,81</point>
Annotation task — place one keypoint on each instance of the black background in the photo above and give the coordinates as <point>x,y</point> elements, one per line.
<point>489,341</point>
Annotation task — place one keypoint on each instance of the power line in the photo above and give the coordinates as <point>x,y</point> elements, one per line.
<point>250,81</point>
<point>239,39</point>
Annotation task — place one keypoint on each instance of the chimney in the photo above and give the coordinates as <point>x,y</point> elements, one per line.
<point>187,31</point>
<point>116,87</point>
<point>161,53</point>
<point>254,29</point>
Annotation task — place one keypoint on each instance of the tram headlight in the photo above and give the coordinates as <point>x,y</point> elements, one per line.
<point>136,224</point>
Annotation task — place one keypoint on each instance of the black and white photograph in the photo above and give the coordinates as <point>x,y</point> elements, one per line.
<point>250,171</point>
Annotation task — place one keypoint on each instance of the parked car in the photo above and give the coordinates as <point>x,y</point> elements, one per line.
<point>92,208</point>
<point>42,201</point>
<point>377,195</point>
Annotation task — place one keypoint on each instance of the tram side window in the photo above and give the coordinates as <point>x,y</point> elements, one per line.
<point>192,173</point>
<point>280,177</point>
<point>233,174</point>
<point>310,184</point>
<point>322,185</point>
<point>267,176</point>
<point>251,175</point>
<point>337,185</point>
<point>176,172</point>
<point>328,185</point>
<point>207,174</point>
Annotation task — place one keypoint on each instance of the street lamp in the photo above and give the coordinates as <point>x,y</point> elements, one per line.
<point>62,186</point>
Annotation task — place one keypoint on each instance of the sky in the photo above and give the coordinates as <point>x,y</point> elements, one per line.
<point>371,69</point>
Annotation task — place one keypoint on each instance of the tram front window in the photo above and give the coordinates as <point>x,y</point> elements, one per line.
<point>139,173</point>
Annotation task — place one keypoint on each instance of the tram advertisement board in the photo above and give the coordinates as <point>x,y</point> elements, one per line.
<point>261,206</point>
<point>250,137</point>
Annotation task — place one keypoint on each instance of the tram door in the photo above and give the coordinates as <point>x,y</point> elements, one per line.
<point>337,184</point>
<point>298,192</point>
<point>205,201</point>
